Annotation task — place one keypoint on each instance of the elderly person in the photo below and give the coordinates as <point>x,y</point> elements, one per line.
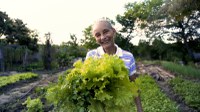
<point>104,34</point>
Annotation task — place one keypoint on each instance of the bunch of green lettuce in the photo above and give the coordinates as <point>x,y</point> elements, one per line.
<point>95,85</point>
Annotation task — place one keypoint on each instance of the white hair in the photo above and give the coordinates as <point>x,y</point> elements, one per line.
<point>103,19</point>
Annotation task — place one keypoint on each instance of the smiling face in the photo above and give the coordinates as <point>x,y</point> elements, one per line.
<point>104,34</point>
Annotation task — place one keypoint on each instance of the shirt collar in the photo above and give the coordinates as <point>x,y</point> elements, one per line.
<point>101,51</point>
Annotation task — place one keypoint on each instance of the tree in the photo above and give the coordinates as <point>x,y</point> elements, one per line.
<point>123,42</point>
<point>159,24</point>
<point>47,55</point>
<point>180,8</point>
<point>73,42</point>
<point>3,18</point>
<point>140,15</point>
<point>69,51</point>
<point>89,41</point>
<point>185,22</point>
<point>187,30</point>
<point>16,32</point>
<point>158,49</point>
<point>142,49</point>
<point>75,50</point>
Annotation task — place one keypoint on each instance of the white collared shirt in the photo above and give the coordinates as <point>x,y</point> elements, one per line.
<point>126,56</point>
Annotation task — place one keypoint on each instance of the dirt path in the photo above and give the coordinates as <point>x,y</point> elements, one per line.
<point>162,76</point>
<point>155,71</point>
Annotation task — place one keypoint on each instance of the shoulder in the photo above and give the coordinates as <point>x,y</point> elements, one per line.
<point>127,57</point>
<point>92,53</point>
<point>127,54</point>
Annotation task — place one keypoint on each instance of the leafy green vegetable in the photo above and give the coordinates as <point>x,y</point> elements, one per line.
<point>33,105</point>
<point>6,80</point>
<point>95,85</point>
<point>153,99</point>
<point>187,89</point>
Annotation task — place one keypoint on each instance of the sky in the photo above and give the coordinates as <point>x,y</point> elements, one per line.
<point>62,17</point>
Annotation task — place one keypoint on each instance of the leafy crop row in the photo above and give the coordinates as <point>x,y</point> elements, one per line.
<point>186,71</point>
<point>190,91</point>
<point>153,99</point>
<point>6,80</point>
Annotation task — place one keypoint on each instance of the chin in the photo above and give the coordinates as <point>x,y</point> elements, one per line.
<point>107,45</point>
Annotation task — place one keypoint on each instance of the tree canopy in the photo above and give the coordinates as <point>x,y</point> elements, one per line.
<point>164,19</point>
<point>16,32</point>
<point>180,8</point>
<point>89,41</point>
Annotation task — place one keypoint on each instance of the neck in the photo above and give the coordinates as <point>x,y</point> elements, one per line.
<point>110,50</point>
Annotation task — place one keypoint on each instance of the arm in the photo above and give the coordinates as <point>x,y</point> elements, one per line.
<point>132,76</point>
<point>137,99</point>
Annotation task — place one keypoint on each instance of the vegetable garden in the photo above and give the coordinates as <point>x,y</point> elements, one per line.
<point>40,77</point>
<point>92,91</point>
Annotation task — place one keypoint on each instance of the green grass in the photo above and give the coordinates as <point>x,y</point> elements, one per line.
<point>190,91</point>
<point>185,71</point>
<point>6,80</point>
<point>153,99</point>
<point>151,62</point>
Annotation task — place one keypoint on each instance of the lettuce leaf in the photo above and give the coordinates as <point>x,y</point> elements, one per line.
<point>95,85</point>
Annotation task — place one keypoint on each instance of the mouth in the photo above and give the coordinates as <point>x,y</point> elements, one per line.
<point>106,42</point>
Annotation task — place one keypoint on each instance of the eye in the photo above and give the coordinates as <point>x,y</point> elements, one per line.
<point>97,35</point>
<point>105,31</point>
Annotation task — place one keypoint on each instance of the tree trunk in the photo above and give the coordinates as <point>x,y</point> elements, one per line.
<point>25,58</point>
<point>48,56</point>
<point>189,51</point>
<point>1,61</point>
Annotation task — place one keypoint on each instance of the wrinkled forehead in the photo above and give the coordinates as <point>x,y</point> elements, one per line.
<point>101,24</point>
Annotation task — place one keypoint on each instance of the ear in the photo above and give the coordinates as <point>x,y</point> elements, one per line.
<point>114,31</point>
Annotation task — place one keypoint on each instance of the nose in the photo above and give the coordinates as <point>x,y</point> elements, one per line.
<point>103,37</point>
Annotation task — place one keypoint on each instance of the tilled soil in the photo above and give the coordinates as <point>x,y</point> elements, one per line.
<point>12,96</point>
